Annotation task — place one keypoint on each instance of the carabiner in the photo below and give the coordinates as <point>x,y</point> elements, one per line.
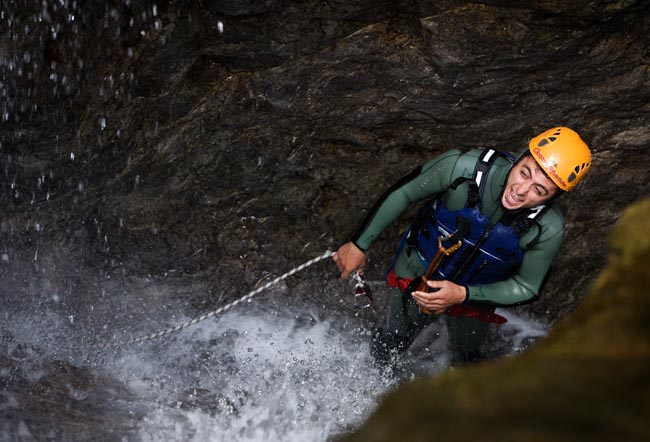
<point>362,293</point>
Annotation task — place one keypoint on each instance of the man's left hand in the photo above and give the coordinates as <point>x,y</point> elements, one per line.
<point>437,301</point>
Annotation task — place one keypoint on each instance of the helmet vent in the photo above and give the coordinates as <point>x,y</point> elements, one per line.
<point>542,142</point>
<point>552,138</point>
<point>579,168</point>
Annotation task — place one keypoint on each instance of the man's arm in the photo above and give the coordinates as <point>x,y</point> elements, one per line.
<point>432,178</point>
<point>525,284</point>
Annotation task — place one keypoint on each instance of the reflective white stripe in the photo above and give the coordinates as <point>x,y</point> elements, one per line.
<point>535,211</point>
<point>488,155</point>
<point>444,229</point>
<point>479,177</point>
<point>489,254</point>
<point>486,160</point>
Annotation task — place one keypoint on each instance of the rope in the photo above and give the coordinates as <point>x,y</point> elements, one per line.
<point>220,310</point>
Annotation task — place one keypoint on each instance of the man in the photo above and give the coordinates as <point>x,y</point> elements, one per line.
<point>491,220</point>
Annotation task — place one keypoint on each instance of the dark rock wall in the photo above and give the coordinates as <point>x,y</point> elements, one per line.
<point>228,138</point>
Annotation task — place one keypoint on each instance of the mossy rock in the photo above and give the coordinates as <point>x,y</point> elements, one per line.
<point>587,381</point>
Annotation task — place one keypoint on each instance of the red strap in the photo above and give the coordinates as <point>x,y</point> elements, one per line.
<point>485,314</point>
<point>395,281</point>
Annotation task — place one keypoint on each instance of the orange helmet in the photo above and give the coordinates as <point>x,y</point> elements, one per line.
<point>563,155</point>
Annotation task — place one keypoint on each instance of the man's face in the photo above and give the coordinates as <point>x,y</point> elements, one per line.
<point>527,186</point>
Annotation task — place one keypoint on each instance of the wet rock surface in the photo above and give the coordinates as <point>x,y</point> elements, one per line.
<point>65,403</point>
<point>161,160</point>
<point>239,138</point>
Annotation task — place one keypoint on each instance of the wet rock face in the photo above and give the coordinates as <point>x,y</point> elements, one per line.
<point>53,406</point>
<point>228,138</point>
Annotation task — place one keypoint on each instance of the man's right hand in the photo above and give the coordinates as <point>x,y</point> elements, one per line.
<point>349,258</point>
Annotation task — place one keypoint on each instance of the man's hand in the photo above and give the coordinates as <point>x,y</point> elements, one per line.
<point>349,258</point>
<point>437,301</point>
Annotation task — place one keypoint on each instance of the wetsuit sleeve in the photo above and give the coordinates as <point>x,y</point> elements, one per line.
<point>432,178</point>
<point>524,286</point>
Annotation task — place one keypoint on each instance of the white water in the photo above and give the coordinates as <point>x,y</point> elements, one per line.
<point>251,374</point>
<point>518,330</point>
<point>258,377</point>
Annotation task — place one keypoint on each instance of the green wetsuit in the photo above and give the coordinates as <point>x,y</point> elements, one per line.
<point>435,178</point>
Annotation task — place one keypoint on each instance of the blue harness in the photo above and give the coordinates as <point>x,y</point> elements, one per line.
<point>489,252</point>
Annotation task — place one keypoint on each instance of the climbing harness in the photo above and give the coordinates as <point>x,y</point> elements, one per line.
<point>196,320</point>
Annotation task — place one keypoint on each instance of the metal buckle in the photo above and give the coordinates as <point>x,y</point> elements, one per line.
<point>362,293</point>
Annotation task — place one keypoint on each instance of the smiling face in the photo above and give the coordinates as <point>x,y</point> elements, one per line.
<point>527,186</point>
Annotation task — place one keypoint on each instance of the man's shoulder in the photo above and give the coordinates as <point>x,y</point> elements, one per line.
<point>552,222</point>
<point>463,163</point>
<point>473,155</point>
<point>466,161</point>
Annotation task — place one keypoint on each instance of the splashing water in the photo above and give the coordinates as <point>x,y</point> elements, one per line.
<point>519,332</point>
<point>254,377</point>
<point>256,373</point>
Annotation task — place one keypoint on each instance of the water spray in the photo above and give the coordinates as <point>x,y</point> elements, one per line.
<point>107,345</point>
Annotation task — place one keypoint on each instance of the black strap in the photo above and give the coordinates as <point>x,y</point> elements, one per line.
<point>483,165</point>
<point>424,214</point>
<point>529,218</point>
<point>479,177</point>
